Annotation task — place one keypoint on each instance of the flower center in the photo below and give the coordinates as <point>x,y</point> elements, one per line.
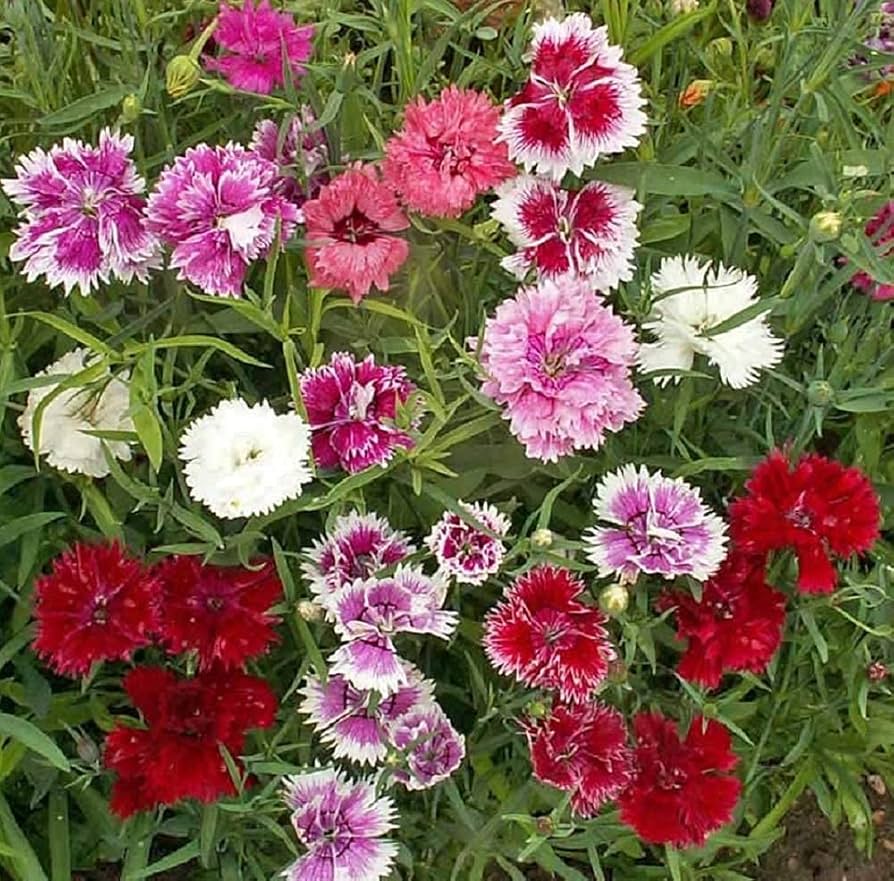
<point>215,604</point>
<point>100,613</point>
<point>356,228</point>
<point>90,202</point>
<point>565,229</point>
<point>554,364</point>
<point>670,779</point>
<point>360,400</point>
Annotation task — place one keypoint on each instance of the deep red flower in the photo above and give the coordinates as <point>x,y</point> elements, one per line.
<point>682,790</point>
<point>178,754</point>
<point>736,625</point>
<point>582,749</point>
<point>98,604</point>
<point>220,612</point>
<point>543,635</point>
<point>819,509</point>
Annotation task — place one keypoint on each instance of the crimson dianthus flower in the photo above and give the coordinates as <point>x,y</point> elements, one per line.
<point>582,749</point>
<point>736,624</point>
<point>880,231</point>
<point>97,604</point>
<point>546,637</point>
<point>220,612</point>
<point>178,754</point>
<point>819,509</point>
<point>682,789</point>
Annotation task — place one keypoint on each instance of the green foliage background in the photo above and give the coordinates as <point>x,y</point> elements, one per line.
<point>789,129</point>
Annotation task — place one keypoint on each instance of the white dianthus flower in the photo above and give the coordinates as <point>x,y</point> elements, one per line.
<point>72,413</point>
<point>245,460</point>
<point>691,297</point>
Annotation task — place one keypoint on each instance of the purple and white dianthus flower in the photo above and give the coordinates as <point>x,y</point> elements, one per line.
<point>464,551</point>
<point>432,748</point>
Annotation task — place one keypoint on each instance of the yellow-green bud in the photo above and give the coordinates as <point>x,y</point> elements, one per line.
<point>541,538</point>
<point>131,108</point>
<point>820,393</point>
<point>310,611</point>
<point>681,7</point>
<point>182,74</point>
<point>537,709</point>
<point>614,599</point>
<point>825,226</point>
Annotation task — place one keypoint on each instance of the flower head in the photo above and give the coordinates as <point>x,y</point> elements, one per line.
<point>682,790</point>
<point>352,407</point>
<point>447,154</point>
<point>462,550</point>
<point>581,101</point>
<point>736,624</point>
<point>220,209</point>
<point>657,525</point>
<point>880,232</point>
<point>178,754</point>
<point>432,748</point>
<point>542,634</point>
<point>71,414</point>
<point>590,232</point>
<point>97,604</point>
<point>559,360</point>
<point>258,43</point>
<point>817,508</point>
<point>244,460</point>
<point>82,214</point>
<point>694,298</point>
<point>357,724</point>
<point>350,233</point>
<point>342,825</point>
<point>582,749</point>
<point>368,616</point>
<point>220,612</point>
<point>357,546</point>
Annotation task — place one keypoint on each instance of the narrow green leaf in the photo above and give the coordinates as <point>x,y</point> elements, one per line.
<point>196,340</point>
<point>29,523</point>
<point>58,835</point>
<point>180,856</point>
<point>73,332</point>
<point>86,107</point>
<point>24,859</point>
<point>32,737</point>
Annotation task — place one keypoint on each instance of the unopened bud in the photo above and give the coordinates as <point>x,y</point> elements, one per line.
<point>825,226</point>
<point>614,599</point>
<point>131,108</point>
<point>617,672</point>
<point>820,393</point>
<point>838,332</point>
<point>681,7</point>
<point>877,671</point>
<point>541,538</point>
<point>721,47</point>
<point>544,826</point>
<point>695,93</point>
<point>310,611</point>
<point>181,75</point>
<point>536,709</point>
<point>86,748</point>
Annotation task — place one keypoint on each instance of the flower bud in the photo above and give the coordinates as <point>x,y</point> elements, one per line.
<point>681,7</point>
<point>544,826</point>
<point>820,393</point>
<point>614,599</point>
<point>877,671</point>
<point>310,611</point>
<point>617,672</point>
<point>695,93</point>
<point>760,10</point>
<point>131,108</point>
<point>181,75</point>
<point>825,226</point>
<point>541,538</point>
<point>86,748</point>
<point>536,709</point>
<point>838,332</point>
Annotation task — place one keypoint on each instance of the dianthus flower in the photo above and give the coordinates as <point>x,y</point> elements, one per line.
<point>462,550</point>
<point>357,724</point>
<point>258,43</point>
<point>368,616</point>
<point>590,232</point>
<point>352,407</point>
<point>430,746</point>
<point>817,508</point>
<point>880,231</point>
<point>682,790</point>
<point>559,361</point>
<point>656,525</point>
<point>735,625</point>
<point>542,634</point>
<point>581,101</point>
<point>220,612</point>
<point>178,754</point>
<point>220,209</point>
<point>71,415</point>
<point>357,546</point>
<point>350,233</point>
<point>244,460</point>
<point>342,825</point>
<point>582,749</point>
<point>82,214</point>
<point>299,154</point>
<point>447,154</point>
<point>97,604</point>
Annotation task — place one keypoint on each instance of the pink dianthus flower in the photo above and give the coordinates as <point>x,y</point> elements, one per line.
<point>880,231</point>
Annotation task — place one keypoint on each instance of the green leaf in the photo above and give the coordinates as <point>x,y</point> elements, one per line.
<point>675,29</point>
<point>666,180</point>
<point>58,835</point>
<point>197,340</point>
<point>180,856</point>
<point>86,107</point>
<point>29,523</point>
<point>73,332</point>
<point>32,737</point>
<point>25,862</point>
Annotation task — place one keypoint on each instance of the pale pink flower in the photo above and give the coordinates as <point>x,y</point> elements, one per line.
<point>559,361</point>
<point>82,214</point>
<point>591,231</point>
<point>464,551</point>
<point>258,43</point>
<point>446,154</point>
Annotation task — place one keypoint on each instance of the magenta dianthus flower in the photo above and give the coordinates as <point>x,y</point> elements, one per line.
<point>559,360</point>
<point>432,748</point>
<point>258,42</point>
<point>219,209</point>
<point>462,550</point>
<point>82,214</point>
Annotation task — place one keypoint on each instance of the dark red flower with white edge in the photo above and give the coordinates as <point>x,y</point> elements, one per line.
<point>682,790</point>
<point>352,409</point>
<point>591,232</point>
<point>582,749</point>
<point>819,509</point>
<point>581,101</point>
<point>178,754</point>
<point>735,626</point>
<point>220,612</point>
<point>97,604</point>
<point>544,636</point>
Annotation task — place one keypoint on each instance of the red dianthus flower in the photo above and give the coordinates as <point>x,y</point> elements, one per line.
<point>819,509</point>
<point>98,604</point>
<point>221,612</point>
<point>682,790</point>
